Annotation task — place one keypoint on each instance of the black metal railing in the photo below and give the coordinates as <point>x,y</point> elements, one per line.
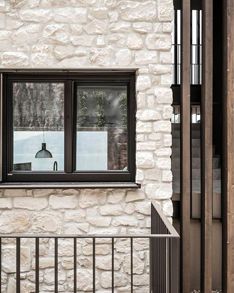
<point>164,254</point>
<point>161,270</point>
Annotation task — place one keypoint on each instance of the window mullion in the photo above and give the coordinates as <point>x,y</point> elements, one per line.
<point>69,127</point>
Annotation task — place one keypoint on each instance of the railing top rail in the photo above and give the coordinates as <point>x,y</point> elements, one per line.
<point>88,236</point>
<point>172,231</point>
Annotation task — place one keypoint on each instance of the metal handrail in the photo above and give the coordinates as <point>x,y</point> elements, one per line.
<point>167,223</point>
<point>88,236</point>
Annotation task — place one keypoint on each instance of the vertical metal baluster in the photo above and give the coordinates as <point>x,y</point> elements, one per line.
<point>167,267</point>
<point>113,265</point>
<point>18,265</point>
<point>0,265</point>
<point>131,254</point>
<point>55,265</point>
<point>150,263</point>
<point>75,264</point>
<point>94,285</point>
<point>37,264</point>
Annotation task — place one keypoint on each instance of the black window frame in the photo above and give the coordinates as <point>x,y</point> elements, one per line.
<point>69,79</point>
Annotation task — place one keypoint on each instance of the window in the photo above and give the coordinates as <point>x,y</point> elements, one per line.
<point>196,42</point>
<point>69,127</point>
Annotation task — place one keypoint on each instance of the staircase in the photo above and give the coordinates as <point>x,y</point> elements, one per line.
<point>196,172</point>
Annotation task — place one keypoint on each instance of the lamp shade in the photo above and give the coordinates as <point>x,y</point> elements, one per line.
<point>43,153</point>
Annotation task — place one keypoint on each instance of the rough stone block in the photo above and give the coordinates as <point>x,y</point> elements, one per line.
<point>63,202</point>
<point>143,82</point>
<point>159,191</point>
<point>5,203</point>
<point>70,15</point>
<point>46,222</point>
<point>16,59</point>
<point>144,57</point>
<point>143,27</point>
<point>14,221</point>
<point>144,160</point>
<point>138,11</point>
<point>165,10</point>
<point>9,259</point>
<point>134,42</point>
<point>99,221</point>
<point>125,221</point>
<point>148,115</point>
<point>160,42</point>
<point>96,27</point>
<point>162,126</point>
<point>30,203</point>
<point>143,127</point>
<point>111,210</point>
<point>35,15</point>
<point>135,196</point>
<point>123,57</point>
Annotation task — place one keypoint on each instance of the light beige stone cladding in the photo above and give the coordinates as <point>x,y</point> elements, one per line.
<point>96,34</point>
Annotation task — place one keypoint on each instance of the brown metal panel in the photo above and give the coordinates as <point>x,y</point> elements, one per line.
<point>195,234</point>
<point>217,256</point>
<point>207,148</point>
<point>228,128</point>
<point>185,148</point>
<point>1,94</point>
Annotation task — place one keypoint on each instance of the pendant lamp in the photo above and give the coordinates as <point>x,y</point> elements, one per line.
<point>43,153</point>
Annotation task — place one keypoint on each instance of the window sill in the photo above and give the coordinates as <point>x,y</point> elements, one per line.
<point>68,185</point>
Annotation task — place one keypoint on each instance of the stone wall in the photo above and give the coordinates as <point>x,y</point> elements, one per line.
<point>96,34</point>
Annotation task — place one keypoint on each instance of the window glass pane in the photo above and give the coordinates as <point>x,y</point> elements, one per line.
<point>38,121</point>
<point>101,128</point>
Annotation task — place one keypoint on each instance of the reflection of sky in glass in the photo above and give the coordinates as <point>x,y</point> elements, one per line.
<point>91,150</point>
<point>28,143</point>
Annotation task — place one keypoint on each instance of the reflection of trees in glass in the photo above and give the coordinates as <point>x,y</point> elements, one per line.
<point>104,106</point>
<point>101,121</point>
<point>38,106</point>
<point>82,109</point>
<point>123,109</point>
